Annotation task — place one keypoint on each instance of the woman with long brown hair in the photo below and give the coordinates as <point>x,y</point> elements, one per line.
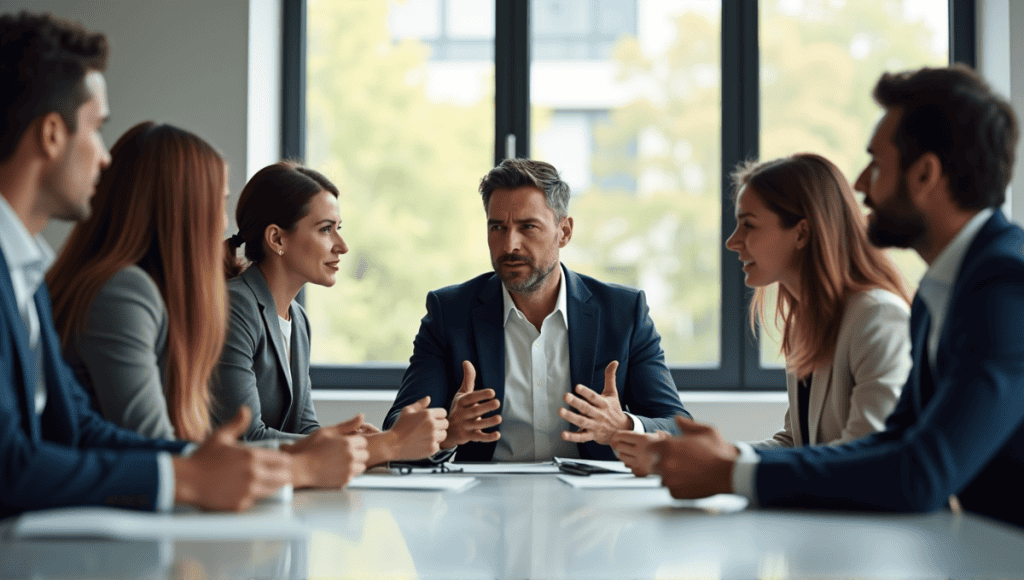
<point>138,295</point>
<point>841,307</point>
<point>289,226</point>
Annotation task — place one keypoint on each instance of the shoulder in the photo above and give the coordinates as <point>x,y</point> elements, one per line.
<point>241,294</point>
<point>132,282</point>
<point>602,291</point>
<point>458,293</point>
<point>874,302</point>
<point>998,251</point>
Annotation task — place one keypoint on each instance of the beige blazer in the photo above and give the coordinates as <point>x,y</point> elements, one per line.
<point>854,395</point>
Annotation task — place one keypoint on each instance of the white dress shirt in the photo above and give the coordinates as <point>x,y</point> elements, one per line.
<point>28,258</point>
<point>536,379</point>
<point>935,290</point>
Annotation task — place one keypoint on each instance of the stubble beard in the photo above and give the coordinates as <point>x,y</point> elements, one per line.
<point>531,283</point>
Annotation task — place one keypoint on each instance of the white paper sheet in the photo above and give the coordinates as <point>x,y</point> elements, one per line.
<point>412,482</point>
<point>134,525</point>
<point>611,481</point>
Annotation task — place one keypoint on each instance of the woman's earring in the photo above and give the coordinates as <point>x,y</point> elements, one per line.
<point>280,252</point>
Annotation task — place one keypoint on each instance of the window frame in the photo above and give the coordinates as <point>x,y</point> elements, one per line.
<point>739,369</point>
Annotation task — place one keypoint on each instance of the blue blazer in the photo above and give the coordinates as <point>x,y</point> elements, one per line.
<point>69,456</point>
<point>606,322</point>
<point>960,431</point>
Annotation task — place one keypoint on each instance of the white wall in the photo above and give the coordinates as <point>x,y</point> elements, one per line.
<point>183,62</point>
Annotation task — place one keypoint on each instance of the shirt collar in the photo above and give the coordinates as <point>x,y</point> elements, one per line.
<point>937,281</point>
<point>21,250</point>
<point>560,305</point>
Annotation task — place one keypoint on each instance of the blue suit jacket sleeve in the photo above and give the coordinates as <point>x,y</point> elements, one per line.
<point>968,439</point>
<point>69,456</point>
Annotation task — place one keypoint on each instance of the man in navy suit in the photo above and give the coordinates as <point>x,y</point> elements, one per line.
<point>941,158</point>
<point>503,351</point>
<point>55,450</point>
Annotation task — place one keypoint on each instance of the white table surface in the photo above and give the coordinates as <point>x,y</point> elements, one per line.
<point>534,526</point>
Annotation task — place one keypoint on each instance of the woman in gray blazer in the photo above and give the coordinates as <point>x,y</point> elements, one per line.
<point>843,310</point>
<point>141,303</point>
<point>141,326</point>
<point>288,224</point>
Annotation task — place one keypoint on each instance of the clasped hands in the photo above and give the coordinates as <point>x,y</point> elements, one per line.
<point>597,416</point>
<point>696,464</point>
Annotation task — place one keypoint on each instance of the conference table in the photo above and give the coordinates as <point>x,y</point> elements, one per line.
<point>523,526</point>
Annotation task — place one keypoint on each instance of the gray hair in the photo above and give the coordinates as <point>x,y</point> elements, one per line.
<point>515,173</point>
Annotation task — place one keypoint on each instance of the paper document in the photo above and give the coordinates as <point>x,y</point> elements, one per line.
<point>122,524</point>
<point>611,481</point>
<point>413,482</point>
<point>545,467</point>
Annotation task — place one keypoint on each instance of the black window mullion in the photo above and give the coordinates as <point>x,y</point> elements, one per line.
<point>962,42</point>
<point>511,77</point>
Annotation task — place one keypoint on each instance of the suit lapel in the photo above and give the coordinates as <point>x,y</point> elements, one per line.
<point>584,321</point>
<point>821,382</point>
<point>489,334</point>
<point>19,334</point>
<point>254,279</point>
<point>792,384</point>
<point>919,322</point>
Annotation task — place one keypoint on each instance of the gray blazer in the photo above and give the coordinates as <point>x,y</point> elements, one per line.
<point>120,355</point>
<point>252,366</point>
<point>854,394</point>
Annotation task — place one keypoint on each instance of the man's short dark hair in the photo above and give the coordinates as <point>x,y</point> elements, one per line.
<point>515,173</point>
<point>43,63</point>
<point>953,113</point>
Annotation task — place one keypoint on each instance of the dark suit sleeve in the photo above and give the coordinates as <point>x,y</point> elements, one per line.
<point>650,393</point>
<point>925,456</point>
<point>429,371</point>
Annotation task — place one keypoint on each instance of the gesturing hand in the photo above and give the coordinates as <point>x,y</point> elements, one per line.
<point>330,456</point>
<point>465,420</point>
<point>634,449</point>
<point>597,416</point>
<point>418,431</point>
<point>223,475</point>
<point>697,464</point>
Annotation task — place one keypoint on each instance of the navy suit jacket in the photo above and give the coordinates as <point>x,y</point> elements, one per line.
<point>606,322</point>
<point>959,431</point>
<point>69,456</point>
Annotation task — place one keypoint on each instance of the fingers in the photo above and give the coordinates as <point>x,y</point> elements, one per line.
<point>468,377</point>
<point>580,421</point>
<point>485,437</point>
<point>609,379</point>
<point>421,404</point>
<point>351,426</point>
<point>628,440</point>
<point>234,428</point>
<point>587,404</point>
<point>578,437</point>
<point>475,404</point>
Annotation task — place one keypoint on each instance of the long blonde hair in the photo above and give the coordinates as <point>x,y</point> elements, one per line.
<point>159,205</point>
<point>837,261</point>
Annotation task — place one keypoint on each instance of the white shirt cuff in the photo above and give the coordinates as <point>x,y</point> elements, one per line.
<point>165,480</point>
<point>638,425</point>
<point>744,472</point>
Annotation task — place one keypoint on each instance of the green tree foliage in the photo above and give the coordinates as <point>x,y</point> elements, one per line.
<point>408,166</point>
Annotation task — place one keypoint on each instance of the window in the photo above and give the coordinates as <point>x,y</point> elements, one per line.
<point>645,106</point>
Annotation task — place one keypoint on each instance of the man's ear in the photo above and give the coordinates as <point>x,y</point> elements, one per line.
<point>924,176</point>
<point>273,237</point>
<point>52,135</point>
<point>565,229</point>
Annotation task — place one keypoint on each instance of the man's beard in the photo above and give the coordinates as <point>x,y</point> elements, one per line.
<point>528,284</point>
<point>897,223</point>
